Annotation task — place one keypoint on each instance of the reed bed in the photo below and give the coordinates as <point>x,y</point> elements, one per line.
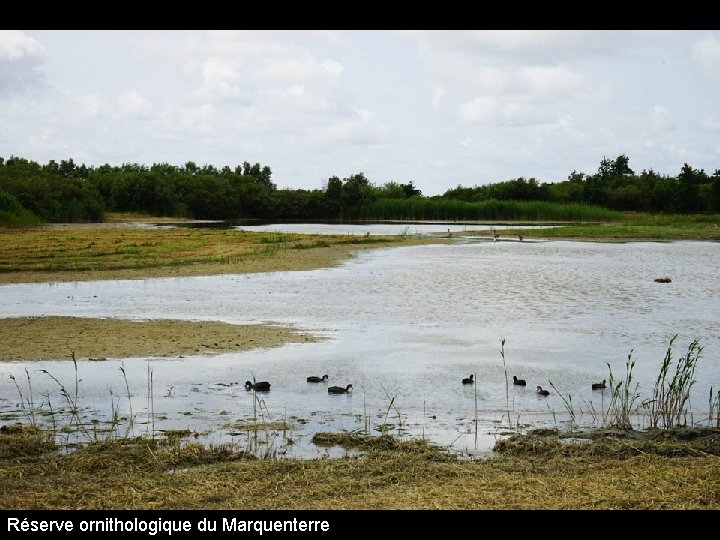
<point>491,210</point>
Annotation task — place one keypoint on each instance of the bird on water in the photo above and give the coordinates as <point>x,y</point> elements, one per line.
<point>599,385</point>
<point>519,382</point>
<point>314,378</point>
<point>469,380</point>
<point>261,386</point>
<point>542,392</point>
<point>339,389</point>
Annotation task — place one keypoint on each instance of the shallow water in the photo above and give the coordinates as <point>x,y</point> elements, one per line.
<point>405,325</point>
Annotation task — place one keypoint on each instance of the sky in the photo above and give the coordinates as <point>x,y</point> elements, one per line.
<point>438,108</point>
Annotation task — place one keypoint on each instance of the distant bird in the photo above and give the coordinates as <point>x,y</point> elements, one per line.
<point>520,237</point>
<point>339,389</point>
<point>519,382</point>
<point>599,385</point>
<point>313,378</point>
<point>262,386</point>
<point>469,380</point>
<point>542,392</point>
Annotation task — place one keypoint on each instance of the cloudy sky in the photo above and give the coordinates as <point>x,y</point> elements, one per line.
<point>440,108</point>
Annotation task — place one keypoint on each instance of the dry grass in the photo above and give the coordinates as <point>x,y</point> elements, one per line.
<point>614,444</point>
<point>91,252</point>
<point>140,474</point>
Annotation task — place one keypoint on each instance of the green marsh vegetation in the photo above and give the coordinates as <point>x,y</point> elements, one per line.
<point>40,254</point>
<point>67,192</point>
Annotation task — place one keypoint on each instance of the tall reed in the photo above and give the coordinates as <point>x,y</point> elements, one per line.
<point>714,408</point>
<point>131,418</point>
<point>668,406</point>
<point>507,382</point>
<point>28,411</point>
<point>623,397</point>
<point>567,402</point>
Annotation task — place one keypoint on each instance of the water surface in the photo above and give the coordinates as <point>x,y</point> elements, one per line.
<point>404,325</point>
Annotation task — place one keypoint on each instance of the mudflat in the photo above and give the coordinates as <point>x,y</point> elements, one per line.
<point>58,338</point>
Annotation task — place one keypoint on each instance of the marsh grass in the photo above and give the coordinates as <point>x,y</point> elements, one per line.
<point>27,405</point>
<point>391,474</point>
<point>492,210</point>
<point>714,408</point>
<point>19,442</point>
<point>109,252</point>
<point>569,407</point>
<point>638,226</point>
<point>613,443</point>
<point>668,407</point>
<point>624,397</point>
<point>263,434</point>
<point>507,382</point>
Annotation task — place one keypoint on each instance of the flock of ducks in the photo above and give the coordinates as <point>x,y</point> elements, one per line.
<point>539,390</point>
<point>264,386</point>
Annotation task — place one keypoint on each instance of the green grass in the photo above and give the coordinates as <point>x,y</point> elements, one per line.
<point>638,227</point>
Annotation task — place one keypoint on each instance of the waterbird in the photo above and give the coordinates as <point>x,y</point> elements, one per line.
<point>542,392</point>
<point>314,378</point>
<point>339,389</point>
<point>469,380</point>
<point>599,385</point>
<point>519,382</point>
<point>261,386</point>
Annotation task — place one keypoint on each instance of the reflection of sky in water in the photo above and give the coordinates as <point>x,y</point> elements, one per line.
<point>388,229</point>
<point>407,323</point>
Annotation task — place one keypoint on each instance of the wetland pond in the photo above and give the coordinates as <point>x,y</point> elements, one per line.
<point>403,325</point>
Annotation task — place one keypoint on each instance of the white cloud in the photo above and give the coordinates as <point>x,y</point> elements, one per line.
<point>135,105</point>
<point>332,67</point>
<point>16,45</point>
<point>438,95</point>
<point>504,47</point>
<point>480,109</point>
<point>706,54</point>
<point>711,123</point>
<point>20,56</point>
<point>488,105</point>
<point>296,90</point>
<point>549,81</point>
<point>660,117</point>
<point>485,110</point>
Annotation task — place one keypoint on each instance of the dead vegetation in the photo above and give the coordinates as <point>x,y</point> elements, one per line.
<point>391,474</point>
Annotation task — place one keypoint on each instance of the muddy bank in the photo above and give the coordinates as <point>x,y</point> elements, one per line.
<point>56,338</point>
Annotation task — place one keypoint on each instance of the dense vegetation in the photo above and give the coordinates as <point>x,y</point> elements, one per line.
<point>66,192</point>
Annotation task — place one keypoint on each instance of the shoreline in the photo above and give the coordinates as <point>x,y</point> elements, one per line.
<point>535,472</point>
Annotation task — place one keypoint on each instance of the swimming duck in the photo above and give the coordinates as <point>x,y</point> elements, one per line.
<point>261,386</point>
<point>519,382</point>
<point>599,385</point>
<point>542,392</point>
<point>339,389</point>
<point>314,378</point>
<point>469,380</point>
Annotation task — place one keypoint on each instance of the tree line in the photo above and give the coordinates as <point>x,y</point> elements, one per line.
<point>66,192</point>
